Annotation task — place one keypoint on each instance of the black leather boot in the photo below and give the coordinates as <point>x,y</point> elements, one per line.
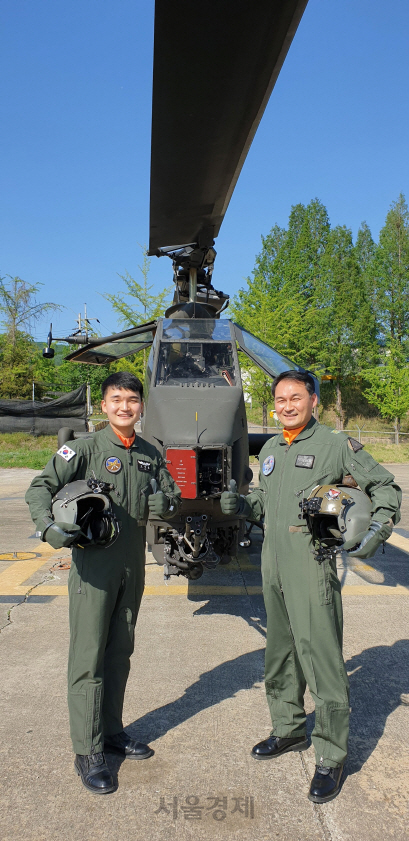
<point>325,784</point>
<point>127,747</point>
<point>94,772</point>
<point>276,746</point>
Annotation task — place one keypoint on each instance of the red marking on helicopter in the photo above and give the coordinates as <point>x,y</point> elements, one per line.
<point>183,469</point>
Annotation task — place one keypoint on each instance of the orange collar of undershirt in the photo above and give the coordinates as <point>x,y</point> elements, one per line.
<point>127,442</point>
<point>290,434</point>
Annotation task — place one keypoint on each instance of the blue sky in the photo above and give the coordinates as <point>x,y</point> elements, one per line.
<point>75,103</point>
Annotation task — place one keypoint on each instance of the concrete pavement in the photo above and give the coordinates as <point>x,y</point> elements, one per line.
<point>196,694</point>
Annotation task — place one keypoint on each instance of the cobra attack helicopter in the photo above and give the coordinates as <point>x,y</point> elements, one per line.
<point>215,65</point>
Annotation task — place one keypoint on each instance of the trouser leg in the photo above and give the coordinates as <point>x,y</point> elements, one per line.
<point>94,585</point>
<point>313,601</point>
<point>284,679</point>
<point>119,647</point>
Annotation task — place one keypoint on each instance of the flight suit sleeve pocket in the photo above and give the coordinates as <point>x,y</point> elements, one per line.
<point>328,580</point>
<point>143,510</point>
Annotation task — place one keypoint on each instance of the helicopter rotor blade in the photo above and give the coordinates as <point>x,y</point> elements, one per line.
<point>215,65</point>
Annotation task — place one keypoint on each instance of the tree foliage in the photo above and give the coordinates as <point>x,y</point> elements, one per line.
<point>326,303</point>
<point>389,384</point>
<point>19,306</point>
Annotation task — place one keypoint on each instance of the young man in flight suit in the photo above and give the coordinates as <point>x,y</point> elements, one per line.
<point>303,597</point>
<point>105,583</point>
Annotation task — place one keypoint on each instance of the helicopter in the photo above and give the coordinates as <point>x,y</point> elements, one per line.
<point>215,65</point>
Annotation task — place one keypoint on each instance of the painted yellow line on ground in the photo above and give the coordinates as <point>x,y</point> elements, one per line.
<point>399,541</point>
<point>13,578</point>
<point>374,590</point>
<point>218,590</point>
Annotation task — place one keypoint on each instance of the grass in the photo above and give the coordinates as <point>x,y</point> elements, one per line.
<point>18,449</point>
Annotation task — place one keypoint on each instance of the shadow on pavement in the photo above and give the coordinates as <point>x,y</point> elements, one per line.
<point>378,677</point>
<point>235,607</point>
<point>395,568</point>
<point>214,686</point>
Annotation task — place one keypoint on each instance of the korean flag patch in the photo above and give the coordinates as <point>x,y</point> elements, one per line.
<point>268,465</point>
<point>66,453</point>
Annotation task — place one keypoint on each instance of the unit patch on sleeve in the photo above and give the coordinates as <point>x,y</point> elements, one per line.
<point>113,464</point>
<point>268,465</point>
<point>144,466</point>
<point>66,453</point>
<point>305,461</point>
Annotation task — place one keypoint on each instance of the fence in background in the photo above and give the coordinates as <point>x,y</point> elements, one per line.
<point>364,436</point>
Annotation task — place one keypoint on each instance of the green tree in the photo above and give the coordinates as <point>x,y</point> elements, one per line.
<point>277,305</point>
<point>17,365</point>
<point>389,385</point>
<point>391,274</point>
<point>343,316</point>
<point>19,306</point>
<point>135,307</point>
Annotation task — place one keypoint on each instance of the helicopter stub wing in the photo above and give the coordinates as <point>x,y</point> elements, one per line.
<point>215,65</point>
<point>109,348</point>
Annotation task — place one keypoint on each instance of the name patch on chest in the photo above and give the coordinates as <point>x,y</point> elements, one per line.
<point>144,466</point>
<point>305,461</point>
<point>113,464</point>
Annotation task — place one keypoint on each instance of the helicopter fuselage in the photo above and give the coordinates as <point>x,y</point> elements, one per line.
<point>195,415</point>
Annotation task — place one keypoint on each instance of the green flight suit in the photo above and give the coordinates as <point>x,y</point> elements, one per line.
<point>105,584</point>
<point>303,597</point>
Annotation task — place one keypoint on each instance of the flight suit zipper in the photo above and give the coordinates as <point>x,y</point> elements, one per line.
<point>129,481</point>
<point>279,497</point>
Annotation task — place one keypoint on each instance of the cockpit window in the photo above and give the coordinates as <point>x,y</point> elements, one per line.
<point>196,362</point>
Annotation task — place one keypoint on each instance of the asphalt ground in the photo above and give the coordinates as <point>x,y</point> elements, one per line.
<point>196,694</point>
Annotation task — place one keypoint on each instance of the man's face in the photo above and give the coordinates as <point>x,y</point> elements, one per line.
<point>293,404</point>
<point>123,409</point>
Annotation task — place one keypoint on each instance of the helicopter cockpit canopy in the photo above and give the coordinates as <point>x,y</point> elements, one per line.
<point>194,350</point>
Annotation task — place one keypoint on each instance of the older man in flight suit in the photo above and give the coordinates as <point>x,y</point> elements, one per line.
<point>105,583</point>
<point>302,596</point>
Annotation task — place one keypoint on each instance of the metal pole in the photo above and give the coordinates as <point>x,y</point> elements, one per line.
<point>89,407</point>
<point>192,284</point>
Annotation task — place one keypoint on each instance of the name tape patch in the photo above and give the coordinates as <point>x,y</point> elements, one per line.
<point>66,453</point>
<point>268,465</point>
<point>144,466</point>
<point>305,461</point>
<point>113,464</point>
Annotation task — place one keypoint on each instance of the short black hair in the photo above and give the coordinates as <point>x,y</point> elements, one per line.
<point>122,379</point>
<point>299,377</point>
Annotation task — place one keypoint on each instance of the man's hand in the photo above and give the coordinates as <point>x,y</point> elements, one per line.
<point>158,504</point>
<point>230,500</point>
<point>59,535</point>
<point>369,541</point>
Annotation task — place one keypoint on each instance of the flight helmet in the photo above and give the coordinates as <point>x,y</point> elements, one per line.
<point>87,503</point>
<point>337,515</point>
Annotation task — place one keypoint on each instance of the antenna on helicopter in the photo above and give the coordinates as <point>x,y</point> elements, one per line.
<point>78,337</point>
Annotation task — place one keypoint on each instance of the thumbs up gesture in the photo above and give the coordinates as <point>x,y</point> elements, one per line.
<point>158,502</point>
<point>230,500</point>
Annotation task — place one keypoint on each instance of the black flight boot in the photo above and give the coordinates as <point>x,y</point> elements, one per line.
<point>325,784</point>
<point>94,772</point>
<point>276,746</point>
<point>128,747</point>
